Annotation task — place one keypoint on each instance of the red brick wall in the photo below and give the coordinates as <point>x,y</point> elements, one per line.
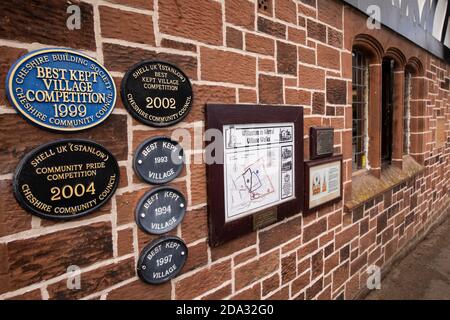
<point>295,52</point>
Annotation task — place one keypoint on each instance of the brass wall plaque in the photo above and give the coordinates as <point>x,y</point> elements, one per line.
<point>265,218</point>
<point>322,142</point>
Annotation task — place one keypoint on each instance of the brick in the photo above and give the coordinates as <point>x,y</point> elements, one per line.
<point>125,241</point>
<point>194,226</point>
<point>325,294</point>
<point>178,45</point>
<point>30,295</point>
<point>286,10</point>
<point>266,65</point>
<point>233,246</point>
<point>280,295</point>
<point>240,13</point>
<point>255,270</point>
<point>134,27</point>
<point>112,134</point>
<point>93,281</point>
<point>331,262</point>
<point>44,21</point>
<point>270,89</point>
<point>7,58</point>
<point>311,78</point>
<point>120,58</point>
<point>247,96</point>
<point>314,289</point>
<point>318,103</point>
<point>336,91</point>
<point>198,257</point>
<point>13,218</point>
<point>198,20</point>
<point>317,31</point>
<point>203,280</point>
<point>314,230</point>
<point>138,290</point>
<point>346,236</point>
<point>235,38</point>
<point>381,222</point>
<point>142,4</point>
<point>209,94</point>
<point>259,44</point>
<point>358,263</point>
<point>219,294</point>
<point>340,276</point>
<point>223,66</point>
<point>296,35</point>
<point>328,57</point>
<point>30,261</point>
<point>300,283</point>
<point>245,256</point>
<point>253,293</point>
<point>335,38</point>
<point>306,55</point>
<point>198,179</point>
<point>331,12</point>
<point>306,11</point>
<point>281,233</point>
<point>317,264</point>
<point>286,58</point>
<point>272,28</point>
<point>307,249</point>
<point>288,268</point>
<point>298,97</point>
<point>271,284</point>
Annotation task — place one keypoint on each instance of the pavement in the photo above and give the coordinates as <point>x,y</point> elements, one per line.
<point>424,274</point>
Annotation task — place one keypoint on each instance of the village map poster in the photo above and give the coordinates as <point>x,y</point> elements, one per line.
<point>259,165</point>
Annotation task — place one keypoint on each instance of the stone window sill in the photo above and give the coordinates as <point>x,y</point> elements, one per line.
<point>365,187</point>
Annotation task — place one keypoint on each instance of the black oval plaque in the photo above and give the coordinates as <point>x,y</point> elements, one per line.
<point>158,160</point>
<point>66,179</point>
<point>156,93</point>
<point>162,260</point>
<point>160,210</point>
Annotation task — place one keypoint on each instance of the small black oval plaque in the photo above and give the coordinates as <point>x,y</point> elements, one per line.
<point>159,160</point>
<point>160,210</point>
<point>156,93</point>
<point>162,260</point>
<point>66,179</point>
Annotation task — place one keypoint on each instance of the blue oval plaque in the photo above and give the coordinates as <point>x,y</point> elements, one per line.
<point>61,89</point>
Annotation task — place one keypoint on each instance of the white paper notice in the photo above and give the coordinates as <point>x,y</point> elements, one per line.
<point>259,167</point>
<point>324,184</point>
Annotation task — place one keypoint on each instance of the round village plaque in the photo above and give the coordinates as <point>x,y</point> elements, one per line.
<point>160,210</point>
<point>162,260</point>
<point>66,179</point>
<point>156,93</point>
<point>158,160</point>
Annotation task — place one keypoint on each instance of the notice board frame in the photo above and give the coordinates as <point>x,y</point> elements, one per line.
<point>220,115</point>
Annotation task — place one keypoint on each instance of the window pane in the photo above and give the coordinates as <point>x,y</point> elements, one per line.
<point>360,69</point>
<point>407,113</point>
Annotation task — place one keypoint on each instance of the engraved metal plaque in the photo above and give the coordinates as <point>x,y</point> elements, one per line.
<point>322,142</point>
<point>158,160</point>
<point>160,210</point>
<point>265,218</point>
<point>157,93</point>
<point>162,260</point>
<point>66,179</point>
